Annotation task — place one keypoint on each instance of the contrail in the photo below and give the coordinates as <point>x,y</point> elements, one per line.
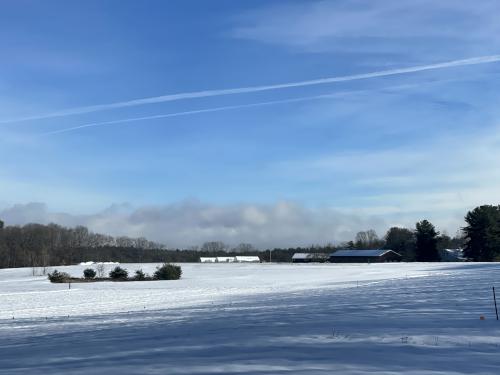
<point>197,111</point>
<point>233,107</point>
<point>252,89</point>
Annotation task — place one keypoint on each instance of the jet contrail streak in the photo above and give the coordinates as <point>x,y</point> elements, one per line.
<point>252,89</point>
<point>197,111</point>
<point>234,107</point>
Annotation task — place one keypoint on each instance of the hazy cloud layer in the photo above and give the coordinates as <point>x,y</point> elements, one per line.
<point>191,223</point>
<point>375,25</point>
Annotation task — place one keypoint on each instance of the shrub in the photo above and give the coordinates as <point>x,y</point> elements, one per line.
<point>89,273</point>
<point>118,273</point>
<point>58,277</point>
<point>168,272</point>
<point>140,275</point>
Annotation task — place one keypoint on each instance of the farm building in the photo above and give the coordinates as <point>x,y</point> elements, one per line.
<point>247,259</point>
<point>309,257</point>
<point>236,259</point>
<point>364,256</point>
<point>452,255</point>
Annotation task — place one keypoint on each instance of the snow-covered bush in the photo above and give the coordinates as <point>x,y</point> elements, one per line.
<point>89,273</point>
<point>58,277</point>
<point>118,273</point>
<point>168,272</point>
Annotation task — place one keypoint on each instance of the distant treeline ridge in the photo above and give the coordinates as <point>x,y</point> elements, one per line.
<point>37,245</point>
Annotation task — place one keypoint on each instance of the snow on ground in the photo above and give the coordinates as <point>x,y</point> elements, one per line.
<point>256,319</point>
<point>25,296</point>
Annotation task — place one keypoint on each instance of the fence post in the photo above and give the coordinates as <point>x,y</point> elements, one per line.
<point>495,299</point>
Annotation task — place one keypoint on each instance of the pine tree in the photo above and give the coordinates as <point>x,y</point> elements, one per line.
<point>426,244</point>
<point>482,233</point>
<point>402,241</point>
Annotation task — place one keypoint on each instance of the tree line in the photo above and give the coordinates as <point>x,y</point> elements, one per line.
<point>43,245</point>
<point>36,245</point>
<point>421,244</point>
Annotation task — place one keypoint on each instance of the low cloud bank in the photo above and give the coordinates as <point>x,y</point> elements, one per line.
<point>189,223</point>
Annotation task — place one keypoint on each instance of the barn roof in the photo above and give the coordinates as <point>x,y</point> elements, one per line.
<point>360,253</point>
<point>225,259</point>
<point>309,256</point>
<point>247,258</point>
<point>300,256</point>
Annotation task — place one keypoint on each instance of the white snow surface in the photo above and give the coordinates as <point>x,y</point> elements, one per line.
<point>233,318</point>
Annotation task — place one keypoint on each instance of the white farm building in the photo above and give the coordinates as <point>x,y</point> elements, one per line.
<point>236,259</point>
<point>309,257</point>
<point>247,259</point>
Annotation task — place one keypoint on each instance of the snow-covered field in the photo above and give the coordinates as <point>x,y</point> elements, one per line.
<point>256,319</point>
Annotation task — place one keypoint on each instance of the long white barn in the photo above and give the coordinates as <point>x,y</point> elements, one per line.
<point>236,259</point>
<point>247,259</point>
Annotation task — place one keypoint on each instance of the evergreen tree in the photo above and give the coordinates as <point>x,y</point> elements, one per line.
<point>89,273</point>
<point>426,244</point>
<point>402,241</point>
<point>482,234</point>
<point>118,273</point>
<point>350,245</point>
<point>168,272</point>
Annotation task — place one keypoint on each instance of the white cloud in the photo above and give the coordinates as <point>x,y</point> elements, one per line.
<point>344,25</point>
<point>440,178</point>
<point>191,223</point>
<point>456,155</point>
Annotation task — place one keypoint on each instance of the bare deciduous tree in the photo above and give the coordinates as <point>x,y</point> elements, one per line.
<point>214,247</point>
<point>101,270</point>
<point>367,240</point>
<point>244,248</point>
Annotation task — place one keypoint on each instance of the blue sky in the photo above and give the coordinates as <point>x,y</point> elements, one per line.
<point>317,164</point>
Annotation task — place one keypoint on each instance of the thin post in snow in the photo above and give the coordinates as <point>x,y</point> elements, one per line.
<point>495,300</point>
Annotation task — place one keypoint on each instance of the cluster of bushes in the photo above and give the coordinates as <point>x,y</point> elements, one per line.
<point>118,273</point>
<point>168,272</point>
<point>59,277</point>
<point>89,273</point>
<point>165,272</point>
